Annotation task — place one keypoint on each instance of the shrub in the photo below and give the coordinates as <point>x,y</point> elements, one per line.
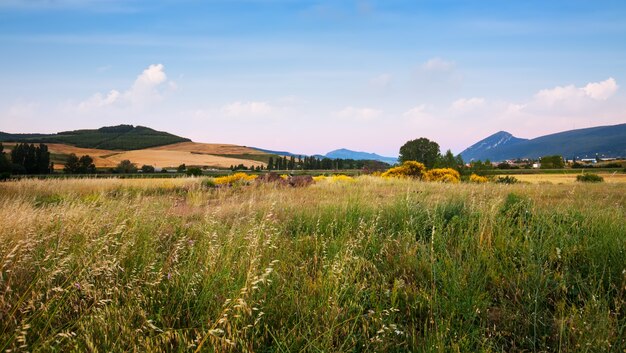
<point>589,178</point>
<point>475,178</point>
<point>444,175</point>
<point>208,183</point>
<point>147,168</point>
<point>237,178</point>
<point>507,180</point>
<point>341,178</point>
<point>319,178</point>
<point>193,172</point>
<point>408,169</point>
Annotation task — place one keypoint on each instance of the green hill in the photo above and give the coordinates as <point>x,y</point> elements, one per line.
<point>121,137</point>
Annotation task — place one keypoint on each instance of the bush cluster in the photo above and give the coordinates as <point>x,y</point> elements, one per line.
<point>589,178</point>
<point>475,178</point>
<point>444,175</point>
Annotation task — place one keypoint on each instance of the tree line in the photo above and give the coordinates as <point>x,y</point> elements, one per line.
<point>25,159</point>
<point>325,163</point>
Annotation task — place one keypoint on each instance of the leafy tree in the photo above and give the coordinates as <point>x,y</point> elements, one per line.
<point>270,164</point>
<point>126,166</point>
<point>194,171</point>
<point>30,159</point>
<point>72,164</point>
<point>421,150</point>
<point>181,168</point>
<point>86,165</point>
<point>552,162</point>
<point>447,161</point>
<point>147,168</point>
<point>5,164</point>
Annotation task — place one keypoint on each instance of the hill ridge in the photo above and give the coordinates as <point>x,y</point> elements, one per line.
<point>608,141</point>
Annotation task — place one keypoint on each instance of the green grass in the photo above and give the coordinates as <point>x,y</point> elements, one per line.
<point>372,265</point>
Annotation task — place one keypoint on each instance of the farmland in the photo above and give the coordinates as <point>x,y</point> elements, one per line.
<point>189,153</point>
<point>344,265</point>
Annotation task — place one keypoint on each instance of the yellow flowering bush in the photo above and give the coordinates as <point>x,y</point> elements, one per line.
<point>444,175</point>
<point>319,178</point>
<point>474,178</point>
<point>341,178</point>
<point>408,169</point>
<point>333,178</point>
<point>237,178</point>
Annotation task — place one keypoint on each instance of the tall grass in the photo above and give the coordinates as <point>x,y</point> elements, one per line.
<point>372,265</point>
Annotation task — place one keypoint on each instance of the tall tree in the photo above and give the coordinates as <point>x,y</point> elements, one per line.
<point>270,164</point>
<point>421,150</point>
<point>86,165</point>
<point>72,164</point>
<point>5,164</point>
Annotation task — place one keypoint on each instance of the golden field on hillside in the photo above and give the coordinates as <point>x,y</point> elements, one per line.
<point>189,153</point>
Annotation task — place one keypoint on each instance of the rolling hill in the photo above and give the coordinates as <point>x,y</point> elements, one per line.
<point>120,137</point>
<point>608,141</point>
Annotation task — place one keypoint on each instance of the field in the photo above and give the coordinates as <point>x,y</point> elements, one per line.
<point>364,265</point>
<point>189,153</point>
<point>566,178</point>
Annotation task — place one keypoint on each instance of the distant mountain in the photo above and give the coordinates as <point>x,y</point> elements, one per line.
<point>359,156</point>
<point>280,153</point>
<point>120,137</point>
<point>340,153</point>
<point>488,145</point>
<point>609,141</point>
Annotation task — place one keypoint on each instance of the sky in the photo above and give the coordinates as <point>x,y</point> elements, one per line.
<point>311,76</point>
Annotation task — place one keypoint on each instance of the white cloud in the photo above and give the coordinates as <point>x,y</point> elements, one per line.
<point>361,114</point>
<point>247,109</point>
<point>438,64</point>
<point>601,90</point>
<point>98,100</point>
<point>145,90</point>
<point>598,91</point>
<point>467,104</point>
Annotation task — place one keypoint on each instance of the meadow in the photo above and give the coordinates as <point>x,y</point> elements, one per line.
<point>344,265</point>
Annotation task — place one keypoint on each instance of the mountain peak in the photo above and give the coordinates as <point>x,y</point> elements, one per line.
<point>607,141</point>
<point>497,140</point>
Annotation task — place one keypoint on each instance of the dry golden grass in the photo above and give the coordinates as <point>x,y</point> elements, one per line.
<point>189,153</point>
<point>209,148</point>
<point>372,265</point>
<point>167,158</point>
<point>567,178</point>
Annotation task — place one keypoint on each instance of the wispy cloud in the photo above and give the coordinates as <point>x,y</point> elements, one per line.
<point>144,90</point>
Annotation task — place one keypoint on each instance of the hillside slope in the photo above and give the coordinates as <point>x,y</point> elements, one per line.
<point>121,137</point>
<point>609,141</point>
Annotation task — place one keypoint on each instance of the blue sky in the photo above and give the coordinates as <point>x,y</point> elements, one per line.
<point>312,76</point>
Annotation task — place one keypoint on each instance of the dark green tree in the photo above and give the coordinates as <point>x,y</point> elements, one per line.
<point>5,164</point>
<point>195,171</point>
<point>270,164</point>
<point>552,162</point>
<point>72,164</point>
<point>181,168</point>
<point>147,168</point>
<point>86,165</point>
<point>126,167</point>
<point>421,150</point>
